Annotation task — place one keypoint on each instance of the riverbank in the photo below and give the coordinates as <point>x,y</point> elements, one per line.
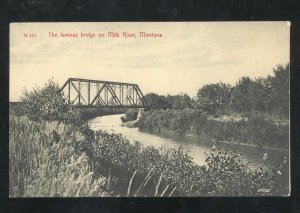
<point>255,131</point>
<point>130,124</point>
<point>89,113</point>
<point>212,141</point>
<point>121,168</point>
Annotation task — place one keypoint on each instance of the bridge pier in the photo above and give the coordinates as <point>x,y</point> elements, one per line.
<point>140,113</point>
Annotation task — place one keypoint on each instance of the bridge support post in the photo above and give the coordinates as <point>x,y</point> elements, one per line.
<point>89,93</point>
<point>140,113</point>
<point>69,92</point>
<point>79,93</point>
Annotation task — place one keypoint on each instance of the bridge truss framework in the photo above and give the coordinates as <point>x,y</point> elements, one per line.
<point>95,93</point>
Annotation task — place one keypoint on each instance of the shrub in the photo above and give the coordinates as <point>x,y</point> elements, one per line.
<point>147,171</point>
<point>227,174</point>
<point>89,113</point>
<point>256,130</point>
<point>47,104</point>
<point>130,115</point>
<point>41,167</point>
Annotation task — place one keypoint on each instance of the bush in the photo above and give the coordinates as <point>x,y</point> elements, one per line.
<point>70,163</point>
<point>227,174</point>
<point>256,130</point>
<point>90,113</point>
<point>47,104</point>
<point>44,166</point>
<point>130,115</point>
<point>146,171</point>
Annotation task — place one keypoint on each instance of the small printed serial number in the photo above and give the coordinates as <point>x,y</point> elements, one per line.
<point>29,35</point>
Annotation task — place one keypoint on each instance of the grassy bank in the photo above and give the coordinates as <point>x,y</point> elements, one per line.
<point>79,162</point>
<point>255,130</point>
<point>43,164</point>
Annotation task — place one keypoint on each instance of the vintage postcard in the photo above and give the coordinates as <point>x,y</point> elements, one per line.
<point>153,109</point>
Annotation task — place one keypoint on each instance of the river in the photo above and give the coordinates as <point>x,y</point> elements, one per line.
<point>195,146</point>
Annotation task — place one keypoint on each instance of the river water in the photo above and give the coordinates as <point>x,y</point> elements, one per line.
<point>195,146</point>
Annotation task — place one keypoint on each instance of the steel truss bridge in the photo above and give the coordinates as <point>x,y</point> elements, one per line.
<point>94,93</point>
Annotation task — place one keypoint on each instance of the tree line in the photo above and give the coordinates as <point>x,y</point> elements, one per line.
<point>268,95</point>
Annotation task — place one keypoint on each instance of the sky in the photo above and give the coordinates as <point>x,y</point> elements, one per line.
<point>186,57</point>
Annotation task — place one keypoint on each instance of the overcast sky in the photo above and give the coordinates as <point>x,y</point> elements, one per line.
<point>188,56</point>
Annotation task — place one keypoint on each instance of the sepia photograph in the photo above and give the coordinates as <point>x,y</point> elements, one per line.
<point>149,109</point>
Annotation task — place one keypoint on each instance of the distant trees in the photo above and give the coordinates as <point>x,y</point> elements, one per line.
<point>264,95</point>
<point>279,86</point>
<point>262,101</point>
<point>214,98</point>
<point>268,95</point>
<point>180,101</point>
<point>157,101</point>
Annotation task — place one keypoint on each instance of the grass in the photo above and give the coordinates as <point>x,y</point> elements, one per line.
<point>147,171</point>
<point>81,163</point>
<point>256,130</point>
<point>42,167</point>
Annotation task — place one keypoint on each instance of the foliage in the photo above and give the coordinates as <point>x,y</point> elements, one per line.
<point>112,166</point>
<point>146,171</point>
<point>89,113</point>
<point>264,95</point>
<point>268,96</point>
<point>41,166</point>
<point>180,101</point>
<point>227,174</point>
<point>280,90</point>
<point>156,101</point>
<point>213,98</point>
<point>255,130</point>
<point>47,104</point>
<point>60,156</point>
<point>130,115</point>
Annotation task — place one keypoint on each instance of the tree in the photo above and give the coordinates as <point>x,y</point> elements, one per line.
<point>213,98</point>
<point>270,95</point>
<point>47,104</point>
<point>280,90</point>
<point>260,93</point>
<point>156,101</point>
<point>180,101</point>
<point>240,100</point>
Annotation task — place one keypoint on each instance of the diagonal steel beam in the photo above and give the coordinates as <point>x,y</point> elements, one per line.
<point>65,84</point>
<point>128,95</point>
<point>79,93</point>
<point>141,96</point>
<point>98,94</point>
<point>101,100</point>
<point>113,94</point>
<point>75,99</point>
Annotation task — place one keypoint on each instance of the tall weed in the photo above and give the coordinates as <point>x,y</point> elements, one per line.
<point>42,167</point>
